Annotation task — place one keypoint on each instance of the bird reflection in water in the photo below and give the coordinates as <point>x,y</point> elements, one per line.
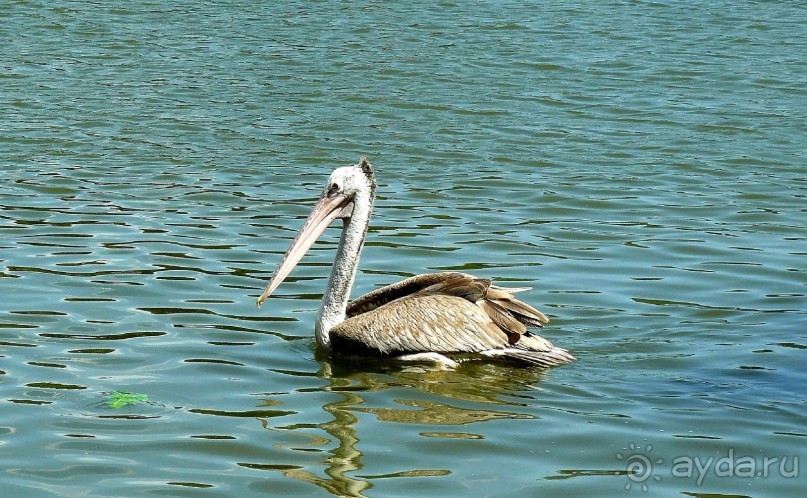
<point>431,397</point>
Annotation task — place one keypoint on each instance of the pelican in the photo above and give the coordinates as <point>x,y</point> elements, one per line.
<point>435,317</point>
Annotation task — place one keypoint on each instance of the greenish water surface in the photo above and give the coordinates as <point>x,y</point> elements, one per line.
<point>641,165</point>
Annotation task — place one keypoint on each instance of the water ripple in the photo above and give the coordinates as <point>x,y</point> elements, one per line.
<point>640,165</point>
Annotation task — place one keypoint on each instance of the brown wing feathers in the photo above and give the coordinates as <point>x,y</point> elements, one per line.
<point>519,310</point>
<point>460,285</point>
<point>379,297</point>
<point>512,327</point>
<point>420,316</point>
<point>508,313</point>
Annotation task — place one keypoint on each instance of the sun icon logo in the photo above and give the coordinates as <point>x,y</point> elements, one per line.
<point>639,465</point>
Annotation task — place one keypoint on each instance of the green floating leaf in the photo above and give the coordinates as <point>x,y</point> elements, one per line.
<point>118,399</point>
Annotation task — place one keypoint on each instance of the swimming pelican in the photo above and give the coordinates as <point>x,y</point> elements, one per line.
<point>431,317</point>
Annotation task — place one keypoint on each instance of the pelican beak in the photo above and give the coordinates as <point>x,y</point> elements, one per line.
<point>326,210</point>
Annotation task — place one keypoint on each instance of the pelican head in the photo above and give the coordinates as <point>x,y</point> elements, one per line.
<point>349,188</point>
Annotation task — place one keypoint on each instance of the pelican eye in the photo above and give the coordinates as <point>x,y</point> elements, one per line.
<point>334,188</point>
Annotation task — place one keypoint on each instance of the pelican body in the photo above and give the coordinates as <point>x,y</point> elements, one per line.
<point>431,317</point>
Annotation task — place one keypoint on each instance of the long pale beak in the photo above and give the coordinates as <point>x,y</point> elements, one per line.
<point>326,210</point>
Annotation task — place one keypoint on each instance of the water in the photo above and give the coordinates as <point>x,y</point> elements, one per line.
<point>640,164</point>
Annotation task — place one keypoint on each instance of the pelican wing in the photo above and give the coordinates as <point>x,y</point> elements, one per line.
<point>447,312</point>
<point>404,288</point>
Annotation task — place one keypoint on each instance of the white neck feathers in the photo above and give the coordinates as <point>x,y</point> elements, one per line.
<point>334,301</point>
